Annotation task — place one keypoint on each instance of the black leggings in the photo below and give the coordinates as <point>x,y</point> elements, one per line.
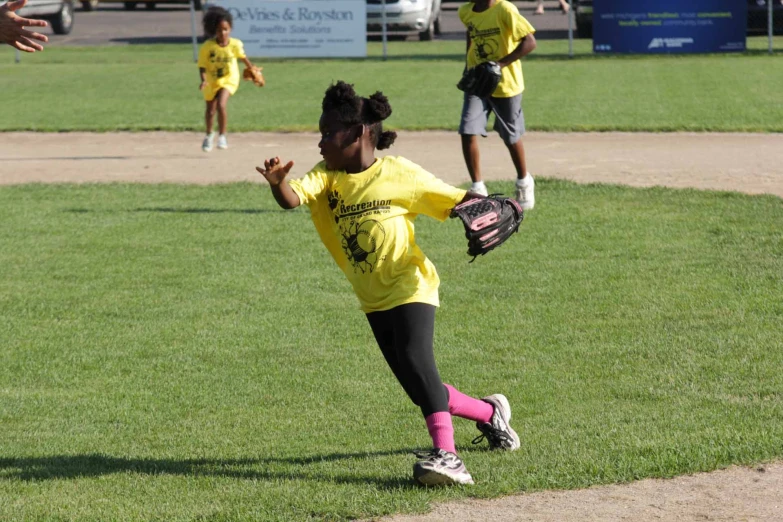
<point>405,335</point>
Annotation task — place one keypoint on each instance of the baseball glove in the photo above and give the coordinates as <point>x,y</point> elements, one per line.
<point>489,222</point>
<point>254,73</point>
<point>481,80</point>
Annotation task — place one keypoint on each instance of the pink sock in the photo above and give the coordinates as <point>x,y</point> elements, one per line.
<point>441,430</point>
<point>467,407</point>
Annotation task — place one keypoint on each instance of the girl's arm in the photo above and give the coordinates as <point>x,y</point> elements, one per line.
<point>246,62</point>
<point>203,73</point>
<point>275,172</point>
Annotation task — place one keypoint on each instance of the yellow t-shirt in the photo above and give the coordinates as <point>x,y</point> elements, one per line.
<point>494,33</point>
<point>221,66</point>
<point>365,220</point>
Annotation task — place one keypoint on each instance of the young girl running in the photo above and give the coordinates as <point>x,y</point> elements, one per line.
<point>217,65</point>
<point>363,208</point>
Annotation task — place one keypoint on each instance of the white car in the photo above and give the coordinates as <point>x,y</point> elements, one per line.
<point>90,5</point>
<point>59,13</point>
<point>405,16</point>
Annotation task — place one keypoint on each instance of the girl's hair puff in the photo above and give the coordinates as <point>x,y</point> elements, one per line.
<point>213,17</point>
<point>352,109</point>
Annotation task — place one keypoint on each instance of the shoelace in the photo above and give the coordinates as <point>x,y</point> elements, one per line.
<point>428,455</point>
<point>495,437</point>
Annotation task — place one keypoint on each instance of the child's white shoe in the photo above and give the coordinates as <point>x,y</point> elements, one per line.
<point>222,142</point>
<point>440,468</point>
<point>206,145</point>
<point>479,188</point>
<point>525,192</point>
<point>498,431</point>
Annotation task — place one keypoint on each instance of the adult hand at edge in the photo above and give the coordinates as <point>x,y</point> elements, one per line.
<point>13,32</point>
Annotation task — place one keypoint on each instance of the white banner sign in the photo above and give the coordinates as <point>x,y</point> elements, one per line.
<point>299,28</point>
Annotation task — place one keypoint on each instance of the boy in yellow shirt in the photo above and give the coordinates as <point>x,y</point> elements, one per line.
<point>497,32</point>
<point>364,209</point>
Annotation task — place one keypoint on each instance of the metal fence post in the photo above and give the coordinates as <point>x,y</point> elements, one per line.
<point>770,30</point>
<point>571,16</point>
<point>383,27</point>
<point>193,30</point>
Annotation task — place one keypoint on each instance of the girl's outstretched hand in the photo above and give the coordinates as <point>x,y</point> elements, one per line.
<point>274,171</point>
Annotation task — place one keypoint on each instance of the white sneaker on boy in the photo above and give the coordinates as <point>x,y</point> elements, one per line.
<point>479,188</point>
<point>525,192</point>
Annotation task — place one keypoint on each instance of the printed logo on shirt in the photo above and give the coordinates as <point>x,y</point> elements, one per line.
<point>485,43</point>
<point>361,243</point>
<point>473,32</point>
<point>220,57</point>
<point>362,238</point>
<point>334,200</point>
<point>342,211</point>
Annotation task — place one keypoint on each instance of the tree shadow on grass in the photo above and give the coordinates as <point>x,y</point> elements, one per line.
<point>56,467</point>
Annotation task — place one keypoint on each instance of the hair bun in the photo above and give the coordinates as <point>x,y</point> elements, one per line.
<point>377,107</point>
<point>341,97</point>
<point>386,139</point>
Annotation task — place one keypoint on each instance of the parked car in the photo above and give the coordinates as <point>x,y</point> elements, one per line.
<point>757,17</point>
<point>90,5</point>
<point>405,16</point>
<point>59,13</point>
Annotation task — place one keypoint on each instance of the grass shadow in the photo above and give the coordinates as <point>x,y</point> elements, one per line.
<point>198,210</point>
<point>69,158</point>
<point>187,210</point>
<point>57,467</point>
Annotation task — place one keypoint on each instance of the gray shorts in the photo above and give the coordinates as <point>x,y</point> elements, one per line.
<point>509,119</point>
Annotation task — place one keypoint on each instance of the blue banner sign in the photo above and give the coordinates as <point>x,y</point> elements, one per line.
<point>669,26</point>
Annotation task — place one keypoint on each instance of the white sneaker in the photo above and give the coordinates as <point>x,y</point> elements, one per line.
<point>498,431</point>
<point>206,145</point>
<point>525,192</point>
<point>222,143</point>
<point>479,188</point>
<point>440,468</point>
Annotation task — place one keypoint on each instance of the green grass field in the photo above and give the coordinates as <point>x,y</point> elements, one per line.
<point>156,87</point>
<point>191,353</point>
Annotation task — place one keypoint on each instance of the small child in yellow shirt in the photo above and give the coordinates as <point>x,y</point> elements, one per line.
<point>217,65</point>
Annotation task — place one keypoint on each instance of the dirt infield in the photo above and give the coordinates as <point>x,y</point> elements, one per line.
<point>747,494</point>
<point>750,163</point>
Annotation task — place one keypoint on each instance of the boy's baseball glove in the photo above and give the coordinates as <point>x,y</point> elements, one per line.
<point>489,222</point>
<point>482,80</point>
<point>254,73</point>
